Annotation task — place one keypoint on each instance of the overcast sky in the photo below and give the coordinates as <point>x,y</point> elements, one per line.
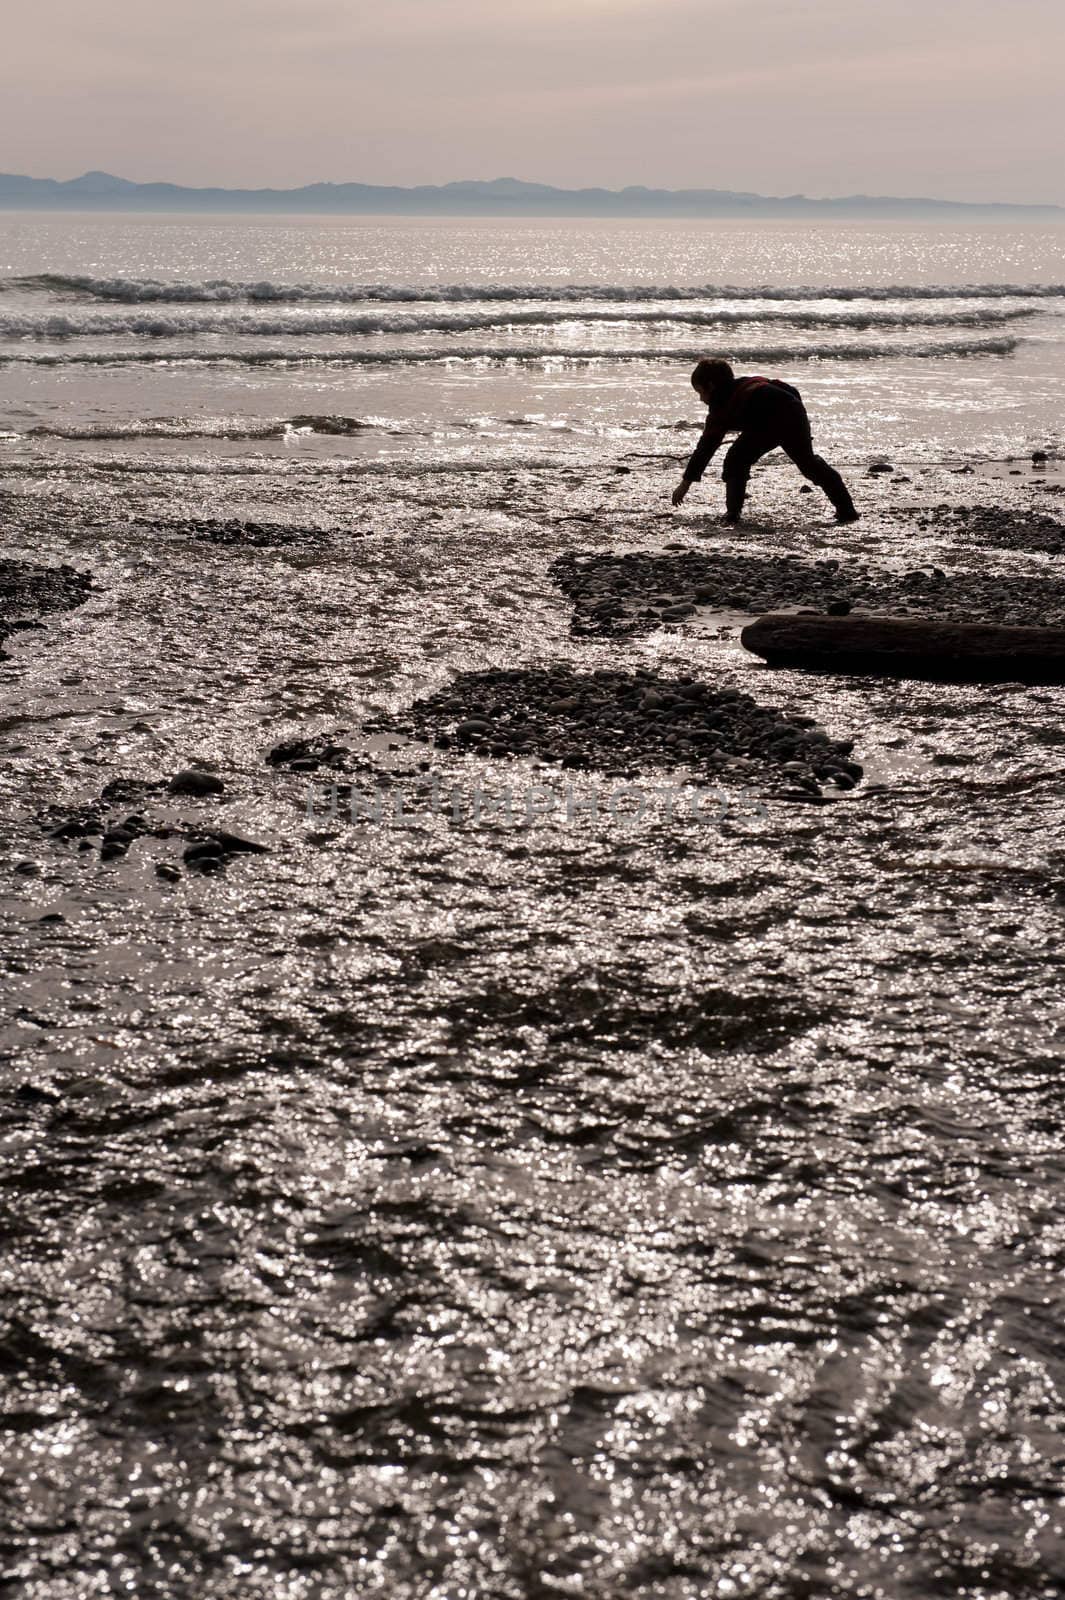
<point>954,98</point>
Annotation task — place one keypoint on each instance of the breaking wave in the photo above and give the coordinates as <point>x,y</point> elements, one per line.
<point>201,428</point>
<point>518,357</point>
<point>223,290</point>
<point>179,325</point>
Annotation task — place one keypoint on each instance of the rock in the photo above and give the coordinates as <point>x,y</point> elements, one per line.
<point>233,844</point>
<point>193,782</point>
<point>677,613</point>
<point>205,856</point>
<point>35,1094</point>
<point>910,646</point>
<point>168,873</point>
<point>27,869</point>
<point>1039,458</point>
<point>806,488</point>
<point>838,608</point>
<point>472,727</point>
<point>305,755</point>
<point>77,828</point>
<point>879,467</point>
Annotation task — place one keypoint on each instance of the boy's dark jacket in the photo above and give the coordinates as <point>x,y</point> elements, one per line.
<point>732,412</point>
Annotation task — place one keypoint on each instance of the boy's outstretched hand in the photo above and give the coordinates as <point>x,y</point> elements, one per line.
<point>680,491</point>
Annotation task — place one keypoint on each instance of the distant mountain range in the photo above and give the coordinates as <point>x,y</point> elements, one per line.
<point>502,197</point>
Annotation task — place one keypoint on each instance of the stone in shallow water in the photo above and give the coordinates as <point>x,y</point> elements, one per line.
<point>193,782</point>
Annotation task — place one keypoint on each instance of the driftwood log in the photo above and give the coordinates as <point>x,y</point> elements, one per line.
<point>906,647</point>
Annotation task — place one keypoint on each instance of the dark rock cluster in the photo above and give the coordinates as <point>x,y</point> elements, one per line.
<point>622,722</point>
<point>28,592</point>
<point>616,595</point>
<point>97,819</point>
<point>207,848</point>
<point>310,754</point>
<point>999,529</point>
<point>250,535</point>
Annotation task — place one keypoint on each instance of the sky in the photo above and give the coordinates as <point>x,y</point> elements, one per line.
<point>956,99</point>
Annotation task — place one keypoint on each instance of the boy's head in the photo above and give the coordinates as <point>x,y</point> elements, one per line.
<point>712,378</point>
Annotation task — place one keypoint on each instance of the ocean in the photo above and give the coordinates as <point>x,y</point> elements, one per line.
<point>472,1123</point>
<point>123,329</point>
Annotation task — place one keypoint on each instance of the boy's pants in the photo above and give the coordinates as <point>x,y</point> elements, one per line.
<point>776,421</point>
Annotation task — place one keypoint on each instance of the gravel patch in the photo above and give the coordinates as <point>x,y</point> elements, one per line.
<point>990,526</point>
<point>618,595</point>
<point>248,534</point>
<point>623,722</point>
<point>28,592</point>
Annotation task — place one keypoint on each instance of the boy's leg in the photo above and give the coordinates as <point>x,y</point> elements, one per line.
<point>736,468</point>
<point>796,443</point>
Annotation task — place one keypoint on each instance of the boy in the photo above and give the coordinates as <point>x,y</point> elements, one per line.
<point>768,414</point>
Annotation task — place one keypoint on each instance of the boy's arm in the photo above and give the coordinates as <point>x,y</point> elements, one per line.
<point>712,436</point>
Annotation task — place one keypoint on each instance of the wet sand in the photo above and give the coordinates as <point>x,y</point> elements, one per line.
<point>654,1195</point>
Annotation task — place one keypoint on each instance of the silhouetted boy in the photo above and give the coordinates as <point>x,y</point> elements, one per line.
<point>769,414</point>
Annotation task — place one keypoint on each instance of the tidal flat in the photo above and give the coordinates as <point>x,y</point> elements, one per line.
<point>629,1197</point>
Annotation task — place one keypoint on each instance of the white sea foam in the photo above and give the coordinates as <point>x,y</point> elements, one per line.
<point>520,357</point>
<point>222,290</point>
<point>184,324</point>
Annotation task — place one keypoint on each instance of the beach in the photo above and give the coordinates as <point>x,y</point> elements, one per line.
<point>505,1093</point>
